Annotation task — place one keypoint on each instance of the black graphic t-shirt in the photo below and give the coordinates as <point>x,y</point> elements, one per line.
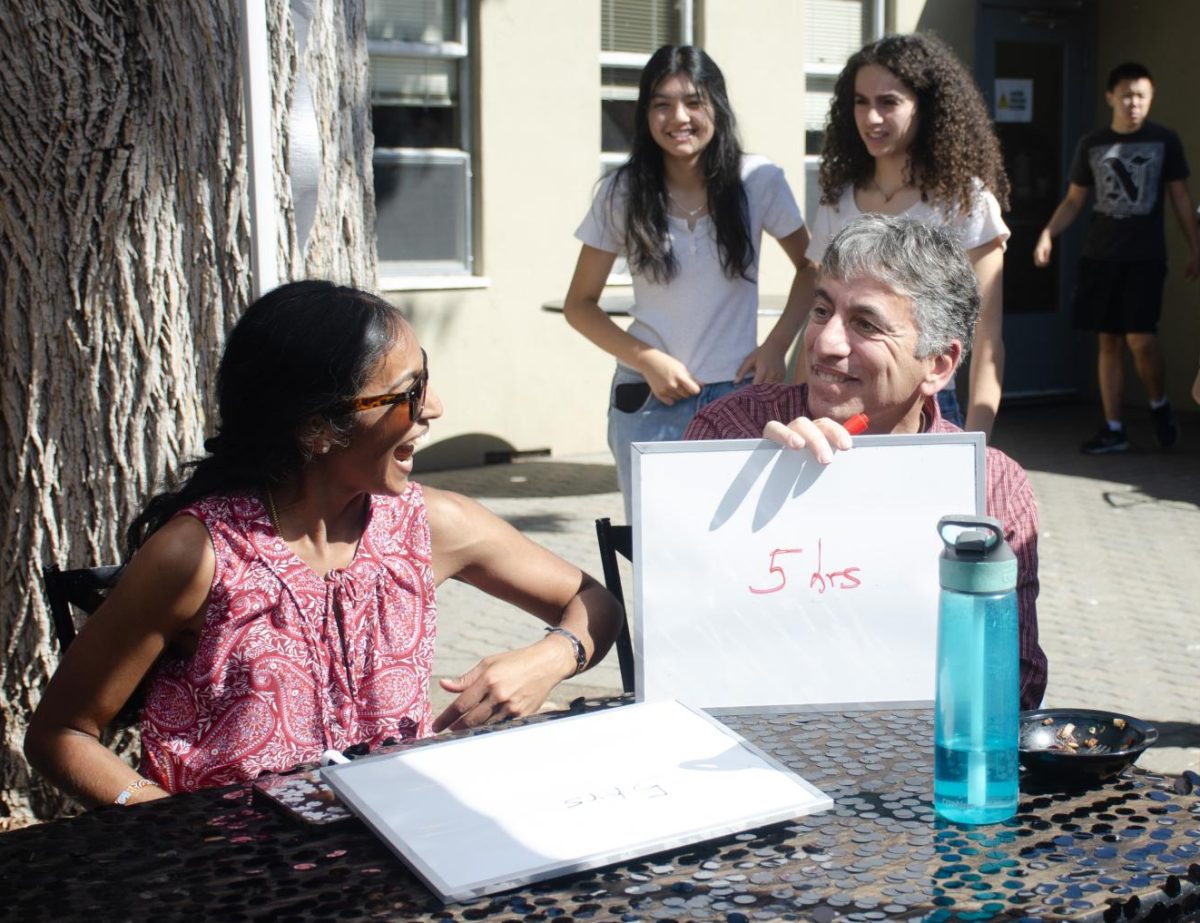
<point>1128,174</point>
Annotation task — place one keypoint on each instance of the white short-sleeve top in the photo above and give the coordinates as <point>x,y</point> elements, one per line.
<point>701,317</point>
<point>975,228</point>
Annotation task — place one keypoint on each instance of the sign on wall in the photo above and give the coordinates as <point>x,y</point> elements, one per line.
<point>1014,99</point>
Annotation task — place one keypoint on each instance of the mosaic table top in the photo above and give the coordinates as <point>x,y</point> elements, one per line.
<point>1127,850</point>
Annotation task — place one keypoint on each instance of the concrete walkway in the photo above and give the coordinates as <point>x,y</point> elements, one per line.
<point>1119,610</point>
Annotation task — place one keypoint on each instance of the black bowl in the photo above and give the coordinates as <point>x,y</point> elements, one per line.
<point>1078,746</point>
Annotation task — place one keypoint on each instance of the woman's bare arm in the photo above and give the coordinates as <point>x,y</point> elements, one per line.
<point>668,378</point>
<point>161,592</point>
<point>474,545</point>
<point>768,363</point>
<point>987,349</point>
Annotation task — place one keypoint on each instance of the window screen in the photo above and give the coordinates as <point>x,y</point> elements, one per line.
<point>418,69</point>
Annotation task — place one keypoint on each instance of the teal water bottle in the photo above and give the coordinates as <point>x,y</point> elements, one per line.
<point>977,711</point>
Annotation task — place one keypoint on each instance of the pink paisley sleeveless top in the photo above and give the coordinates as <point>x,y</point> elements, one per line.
<point>288,663</point>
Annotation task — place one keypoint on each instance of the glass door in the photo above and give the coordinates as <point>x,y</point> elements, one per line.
<point>1034,67</point>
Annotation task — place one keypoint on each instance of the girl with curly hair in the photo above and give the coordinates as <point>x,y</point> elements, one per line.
<point>687,210</point>
<point>908,133</point>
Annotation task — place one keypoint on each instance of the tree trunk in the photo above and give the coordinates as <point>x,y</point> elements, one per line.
<point>124,260</point>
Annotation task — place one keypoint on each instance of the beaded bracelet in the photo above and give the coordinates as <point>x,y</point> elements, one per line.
<point>128,790</point>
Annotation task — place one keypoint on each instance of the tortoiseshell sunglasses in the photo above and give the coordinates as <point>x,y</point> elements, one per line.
<point>413,396</point>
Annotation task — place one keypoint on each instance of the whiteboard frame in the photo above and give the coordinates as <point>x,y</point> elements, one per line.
<point>640,450</point>
<point>369,800</point>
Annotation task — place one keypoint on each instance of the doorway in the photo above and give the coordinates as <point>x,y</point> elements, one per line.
<point>1036,70</point>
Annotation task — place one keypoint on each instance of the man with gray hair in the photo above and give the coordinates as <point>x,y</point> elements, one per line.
<point>896,304</point>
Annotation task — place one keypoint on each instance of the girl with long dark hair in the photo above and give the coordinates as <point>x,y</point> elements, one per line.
<point>687,210</point>
<point>908,134</point>
<point>282,600</point>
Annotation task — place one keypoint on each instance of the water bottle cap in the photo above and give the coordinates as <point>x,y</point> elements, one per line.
<point>976,559</point>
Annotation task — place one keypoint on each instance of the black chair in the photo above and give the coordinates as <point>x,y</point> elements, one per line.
<point>83,589</point>
<point>614,540</point>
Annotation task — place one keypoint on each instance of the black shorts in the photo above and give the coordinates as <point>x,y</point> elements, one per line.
<point>1114,297</point>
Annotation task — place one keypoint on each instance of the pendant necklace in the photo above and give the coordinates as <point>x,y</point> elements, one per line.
<point>691,213</point>
<point>888,197</point>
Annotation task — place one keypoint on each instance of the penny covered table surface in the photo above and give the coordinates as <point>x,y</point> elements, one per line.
<point>1126,849</point>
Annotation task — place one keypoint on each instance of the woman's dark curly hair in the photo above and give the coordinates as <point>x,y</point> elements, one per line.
<point>290,365</point>
<point>647,245</point>
<point>955,143</point>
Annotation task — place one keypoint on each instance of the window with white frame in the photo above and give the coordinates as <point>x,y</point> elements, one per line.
<point>833,31</point>
<point>420,93</point>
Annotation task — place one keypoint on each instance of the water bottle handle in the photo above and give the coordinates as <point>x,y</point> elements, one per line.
<point>979,534</point>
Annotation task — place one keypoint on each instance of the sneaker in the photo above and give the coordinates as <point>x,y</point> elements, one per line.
<point>1166,430</point>
<point>1106,441</point>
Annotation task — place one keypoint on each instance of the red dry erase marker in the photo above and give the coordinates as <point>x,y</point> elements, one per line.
<point>857,424</point>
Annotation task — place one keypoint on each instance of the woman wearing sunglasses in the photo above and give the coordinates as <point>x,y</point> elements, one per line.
<point>282,600</point>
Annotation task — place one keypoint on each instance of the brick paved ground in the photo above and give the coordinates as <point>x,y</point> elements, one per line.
<point>1120,566</point>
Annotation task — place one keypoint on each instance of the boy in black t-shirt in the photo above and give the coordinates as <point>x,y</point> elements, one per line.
<point>1119,289</point>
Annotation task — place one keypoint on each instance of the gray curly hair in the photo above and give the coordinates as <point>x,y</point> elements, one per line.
<point>925,264</point>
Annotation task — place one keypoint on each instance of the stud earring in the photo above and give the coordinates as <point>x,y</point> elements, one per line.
<point>323,448</point>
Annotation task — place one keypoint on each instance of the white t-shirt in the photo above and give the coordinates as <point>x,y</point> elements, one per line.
<point>982,224</point>
<point>703,318</point>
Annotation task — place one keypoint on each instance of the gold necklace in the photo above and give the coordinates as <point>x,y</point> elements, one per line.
<point>272,513</point>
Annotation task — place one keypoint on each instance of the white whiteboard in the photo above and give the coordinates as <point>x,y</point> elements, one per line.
<point>483,814</point>
<point>848,615</point>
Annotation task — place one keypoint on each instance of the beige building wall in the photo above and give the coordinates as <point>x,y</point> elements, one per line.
<point>510,374</point>
<point>951,20</point>
<point>513,376</point>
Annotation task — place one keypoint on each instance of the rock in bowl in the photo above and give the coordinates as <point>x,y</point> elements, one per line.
<point>1077,746</point>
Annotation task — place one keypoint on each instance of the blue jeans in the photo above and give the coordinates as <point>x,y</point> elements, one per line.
<point>654,421</point>
<point>947,400</point>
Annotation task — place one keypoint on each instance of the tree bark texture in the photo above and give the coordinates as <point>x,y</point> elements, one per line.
<point>124,260</point>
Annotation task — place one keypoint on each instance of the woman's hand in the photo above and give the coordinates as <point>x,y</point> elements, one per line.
<point>822,437</point>
<point>767,364</point>
<point>669,379</point>
<point>508,685</point>
<point>473,545</point>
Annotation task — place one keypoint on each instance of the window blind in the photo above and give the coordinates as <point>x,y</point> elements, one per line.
<point>413,81</point>
<point>637,26</point>
<point>833,30</point>
<point>818,92</point>
<point>428,21</point>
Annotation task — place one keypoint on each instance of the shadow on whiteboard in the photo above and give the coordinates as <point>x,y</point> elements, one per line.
<point>790,475</point>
